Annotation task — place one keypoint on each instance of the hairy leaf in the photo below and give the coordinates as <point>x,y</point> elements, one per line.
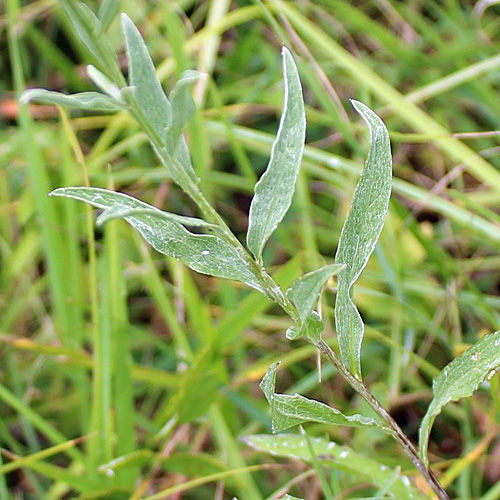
<point>360,234</point>
<point>288,411</point>
<point>155,111</point>
<point>183,109</point>
<point>304,293</point>
<point>274,191</point>
<point>459,379</point>
<point>108,10</point>
<point>147,89</point>
<point>311,329</point>
<point>119,212</point>
<point>105,84</point>
<point>203,253</point>
<point>90,32</point>
<point>83,100</point>
<point>340,457</point>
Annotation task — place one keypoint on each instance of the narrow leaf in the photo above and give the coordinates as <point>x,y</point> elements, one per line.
<point>203,253</point>
<point>305,291</point>
<point>147,89</point>
<point>83,100</point>
<point>360,234</point>
<point>459,379</point>
<point>89,31</point>
<point>288,411</point>
<point>183,106</point>
<point>155,111</point>
<point>274,191</point>
<point>340,457</point>
<point>183,109</point>
<point>119,212</point>
<point>108,10</point>
<point>105,84</point>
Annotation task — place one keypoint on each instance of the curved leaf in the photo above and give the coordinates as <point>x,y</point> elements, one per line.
<point>274,191</point>
<point>203,253</point>
<point>288,411</point>
<point>360,234</point>
<point>83,100</point>
<point>142,77</point>
<point>339,457</point>
<point>459,379</point>
<point>305,291</point>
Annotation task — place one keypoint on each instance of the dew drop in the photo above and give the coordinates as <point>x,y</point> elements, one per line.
<point>497,342</point>
<point>475,356</point>
<point>491,374</point>
<point>205,252</point>
<point>110,472</point>
<point>343,454</point>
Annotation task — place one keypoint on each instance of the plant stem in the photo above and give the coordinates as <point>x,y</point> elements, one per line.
<point>365,393</point>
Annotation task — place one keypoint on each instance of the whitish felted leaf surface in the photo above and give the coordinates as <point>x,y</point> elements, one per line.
<point>203,253</point>
<point>274,191</point>
<point>108,10</point>
<point>102,82</point>
<point>287,411</point>
<point>459,379</point>
<point>147,88</point>
<point>119,212</point>
<point>339,457</point>
<point>305,291</point>
<point>155,109</point>
<point>183,109</point>
<point>83,100</point>
<point>360,234</point>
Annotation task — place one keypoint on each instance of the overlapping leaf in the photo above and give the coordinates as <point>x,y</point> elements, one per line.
<point>340,457</point>
<point>288,411</point>
<point>203,253</point>
<point>360,234</point>
<point>304,293</point>
<point>83,100</point>
<point>459,379</point>
<point>274,191</point>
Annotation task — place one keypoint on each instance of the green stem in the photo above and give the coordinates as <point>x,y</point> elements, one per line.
<point>365,393</point>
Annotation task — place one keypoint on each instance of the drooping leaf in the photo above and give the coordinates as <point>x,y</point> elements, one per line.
<point>146,87</point>
<point>274,191</point>
<point>206,254</point>
<point>339,457</point>
<point>288,411</point>
<point>120,212</point>
<point>360,234</point>
<point>459,379</point>
<point>83,100</point>
<point>305,291</point>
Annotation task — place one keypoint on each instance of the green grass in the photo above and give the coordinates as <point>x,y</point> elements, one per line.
<point>104,339</point>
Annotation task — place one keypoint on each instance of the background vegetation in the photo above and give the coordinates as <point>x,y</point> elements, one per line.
<point>103,340</point>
